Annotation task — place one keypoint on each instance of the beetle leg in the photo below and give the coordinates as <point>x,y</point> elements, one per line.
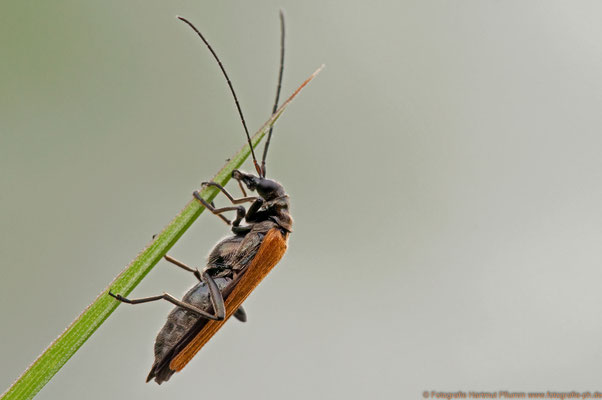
<point>217,300</point>
<point>195,271</point>
<point>166,296</point>
<point>242,200</point>
<point>254,214</point>
<point>226,220</point>
<point>240,314</point>
<point>240,214</point>
<point>210,207</point>
<point>242,188</point>
<point>242,230</point>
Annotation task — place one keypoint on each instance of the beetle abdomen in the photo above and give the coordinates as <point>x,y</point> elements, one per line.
<point>179,320</point>
<point>271,251</point>
<point>230,255</point>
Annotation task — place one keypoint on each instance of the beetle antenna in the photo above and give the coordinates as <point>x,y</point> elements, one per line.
<point>267,143</point>
<point>242,118</point>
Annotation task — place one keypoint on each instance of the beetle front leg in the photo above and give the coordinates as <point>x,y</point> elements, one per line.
<point>226,220</point>
<point>229,196</point>
<point>216,211</point>
<point>242,188</point>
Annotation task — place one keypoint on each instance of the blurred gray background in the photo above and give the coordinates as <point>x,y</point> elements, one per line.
<point>444,171</point>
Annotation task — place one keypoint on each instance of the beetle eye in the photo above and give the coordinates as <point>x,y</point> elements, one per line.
<point>249,180</point>
<point>250,184</point>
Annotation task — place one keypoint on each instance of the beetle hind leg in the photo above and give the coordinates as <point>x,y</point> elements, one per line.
<point>217,300</point>
<point>240,314</point>
<point>216,297</point>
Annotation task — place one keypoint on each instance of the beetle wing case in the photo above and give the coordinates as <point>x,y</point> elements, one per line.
<point>269,253</point>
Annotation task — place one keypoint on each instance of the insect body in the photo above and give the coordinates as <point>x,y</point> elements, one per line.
<point>235,266</point>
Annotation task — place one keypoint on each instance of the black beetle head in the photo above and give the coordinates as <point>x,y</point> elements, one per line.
<point>268,189</point>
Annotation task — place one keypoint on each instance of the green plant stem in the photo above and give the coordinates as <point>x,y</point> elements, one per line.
<point>63,348</point>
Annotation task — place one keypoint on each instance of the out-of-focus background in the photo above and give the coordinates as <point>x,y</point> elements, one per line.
<point>444,170</point>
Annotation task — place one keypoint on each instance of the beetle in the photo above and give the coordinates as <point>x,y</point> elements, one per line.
<point>236,264</point>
